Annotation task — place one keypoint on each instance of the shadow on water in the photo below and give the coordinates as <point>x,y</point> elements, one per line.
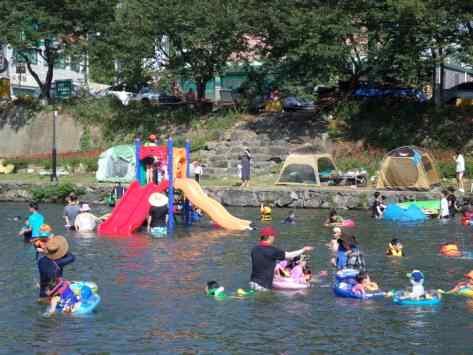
<point>153,299</point>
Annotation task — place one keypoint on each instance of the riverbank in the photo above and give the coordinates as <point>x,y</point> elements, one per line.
<point>277,196</point>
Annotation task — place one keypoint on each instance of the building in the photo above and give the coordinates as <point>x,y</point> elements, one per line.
<point>13,70</point>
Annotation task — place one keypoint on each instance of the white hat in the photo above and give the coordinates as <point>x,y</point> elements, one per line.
<point>85,207</point>
<point>157,199</point>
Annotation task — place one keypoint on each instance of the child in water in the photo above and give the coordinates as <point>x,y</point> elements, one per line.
<point>265,213</point>
<point>334,220</point>
<point>467,284</point>
<point>395,248</point>
<point>62,298</point>
<point>214,289</point>
<point>290,219</point>
<point>364,284</point>
<point>416,278</point>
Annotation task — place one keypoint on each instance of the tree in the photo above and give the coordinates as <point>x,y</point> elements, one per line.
<point>202,35</point>
<point>52,29</point>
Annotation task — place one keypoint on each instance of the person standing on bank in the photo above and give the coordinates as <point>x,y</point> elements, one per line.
<point>460,169</point>
<point>264,257</point>
<point>245,168</point>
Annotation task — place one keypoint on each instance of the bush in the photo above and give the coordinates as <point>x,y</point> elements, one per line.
<point>55,193</point>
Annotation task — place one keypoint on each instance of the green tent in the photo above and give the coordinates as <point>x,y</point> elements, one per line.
<point>117,164</point>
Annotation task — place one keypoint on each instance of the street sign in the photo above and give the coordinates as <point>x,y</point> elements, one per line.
<point>63,89</point>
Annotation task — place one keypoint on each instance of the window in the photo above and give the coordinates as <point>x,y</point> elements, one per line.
<point>30,53</point>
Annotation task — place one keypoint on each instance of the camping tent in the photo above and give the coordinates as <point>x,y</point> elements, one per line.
<point>408,168</point>
<point>307,169</point>
<point>117,164</point>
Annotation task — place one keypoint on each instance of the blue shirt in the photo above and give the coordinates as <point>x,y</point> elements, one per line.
<point>35,221</point>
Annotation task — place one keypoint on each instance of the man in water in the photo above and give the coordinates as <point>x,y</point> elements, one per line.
<point>71,211</point>
<point>264,257</point>
<point>33,223</point>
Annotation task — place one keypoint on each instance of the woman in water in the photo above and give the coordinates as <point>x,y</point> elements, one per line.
<point>466,284</point>
<point>334,220</point>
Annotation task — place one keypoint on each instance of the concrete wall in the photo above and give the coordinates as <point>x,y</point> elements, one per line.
<point>34,136</point>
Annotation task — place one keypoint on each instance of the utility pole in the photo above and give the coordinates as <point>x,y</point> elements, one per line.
<point>54,151</point>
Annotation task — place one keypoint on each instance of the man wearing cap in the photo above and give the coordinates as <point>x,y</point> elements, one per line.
<point>264,257</point>
<point>55,255</point>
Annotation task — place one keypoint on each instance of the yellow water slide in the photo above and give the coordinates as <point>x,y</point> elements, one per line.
<point>217,213</point>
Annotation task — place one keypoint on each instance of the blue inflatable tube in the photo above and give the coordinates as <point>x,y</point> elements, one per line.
<point>344,282</point>
<point>399,299</point>
<point>89,305</point>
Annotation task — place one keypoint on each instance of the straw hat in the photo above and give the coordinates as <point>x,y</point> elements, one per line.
<point>56,247</point>
<point>157,199</point>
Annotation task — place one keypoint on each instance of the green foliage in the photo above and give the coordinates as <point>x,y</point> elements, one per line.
<point>55,193</point>
<point>392,123</point>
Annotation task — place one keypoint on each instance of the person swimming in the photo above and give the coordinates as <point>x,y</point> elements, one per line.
<point>466,284</point>
<point>450,249</point>
<point>395,248</point>
<point>214,289</point>
<point>334,220</point>
<point>265,213</point>
<point>290,219</point>
<point>364,284</point>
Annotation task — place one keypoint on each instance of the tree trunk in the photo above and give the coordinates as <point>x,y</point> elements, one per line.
<point>201,84</point>
<point>45,88</point>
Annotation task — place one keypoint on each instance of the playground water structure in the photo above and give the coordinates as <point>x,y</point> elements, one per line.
<point>131,211</point>
<point>153,298</point>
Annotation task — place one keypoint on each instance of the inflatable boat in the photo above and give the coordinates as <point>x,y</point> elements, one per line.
<point>344,282</point>
<point>400,298</point>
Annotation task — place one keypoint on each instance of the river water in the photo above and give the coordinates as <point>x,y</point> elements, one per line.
<point>153,299</point>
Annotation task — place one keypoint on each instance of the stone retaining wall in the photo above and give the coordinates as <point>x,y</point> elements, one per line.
<point>289,197</point>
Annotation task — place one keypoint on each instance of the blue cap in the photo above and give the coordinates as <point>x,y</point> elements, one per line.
<point>416,275</point>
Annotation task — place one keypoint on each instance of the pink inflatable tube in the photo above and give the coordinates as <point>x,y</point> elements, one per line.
<point>348,223</point>
<point>294,282</point>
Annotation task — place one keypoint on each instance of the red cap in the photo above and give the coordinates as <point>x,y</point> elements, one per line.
<point>269,232</point>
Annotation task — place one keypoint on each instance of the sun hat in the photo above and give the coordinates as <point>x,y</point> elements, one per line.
<point>415,275</point>
<point>85,207</point>
<point>157,199</point>
<point>269,232</point>
<point>56,247</point>
<point>469,275</point>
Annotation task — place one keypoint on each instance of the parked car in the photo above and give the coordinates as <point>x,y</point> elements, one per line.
<point>462,91</point>
<point>150,95</point>
<point>367,90</point>
<point>294,103</point>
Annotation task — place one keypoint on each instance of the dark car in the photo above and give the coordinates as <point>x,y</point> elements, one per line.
<point>461,91</point>
<point>294,103</point>
<point>150,95</point>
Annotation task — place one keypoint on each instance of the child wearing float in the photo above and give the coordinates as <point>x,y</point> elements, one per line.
<point>62,298</point>
<point>265,212</point>
<point>416,278</point>
<point>467,284</point>
<point>364,284</point>
<point>395,248</point>
<point>334,220</point>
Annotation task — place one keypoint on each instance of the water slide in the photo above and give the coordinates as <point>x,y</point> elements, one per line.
<point>131,211</point>
<point>217,213</point>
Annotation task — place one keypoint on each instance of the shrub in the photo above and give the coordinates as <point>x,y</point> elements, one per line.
<point>55,193</point>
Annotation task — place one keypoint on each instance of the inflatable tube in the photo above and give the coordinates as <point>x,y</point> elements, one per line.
<point>466,292</point>
<point>344,282</point>
<point>76,286</point>
<point>348,223</point>
<point>400,299</point>
<point>286,283</point>
<point>89,305</point>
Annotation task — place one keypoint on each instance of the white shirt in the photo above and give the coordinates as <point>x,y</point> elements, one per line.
<point>198,170</point>
<point>417,290</point>
<point>444,212</point>
<point>460,163</point>
<point>85,222</point>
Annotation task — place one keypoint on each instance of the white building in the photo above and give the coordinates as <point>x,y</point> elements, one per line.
<point>21,81</point>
